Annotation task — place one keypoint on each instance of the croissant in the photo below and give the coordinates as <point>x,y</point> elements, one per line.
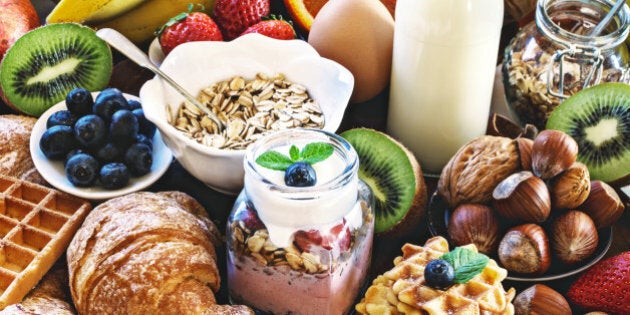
<point>146,253</point>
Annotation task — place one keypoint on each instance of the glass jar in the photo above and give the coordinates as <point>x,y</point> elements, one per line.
<point>300,250</point>
<point>553,57</point>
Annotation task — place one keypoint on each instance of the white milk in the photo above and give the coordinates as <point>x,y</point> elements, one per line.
<point>443,64</point>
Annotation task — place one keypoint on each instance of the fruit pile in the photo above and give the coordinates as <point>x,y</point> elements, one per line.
<point>545,200</point>
<point>104,140</point>
<point>231,20</point>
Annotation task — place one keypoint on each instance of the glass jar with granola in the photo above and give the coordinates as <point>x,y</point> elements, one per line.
<point>555,56</point>
<point>299,237</point>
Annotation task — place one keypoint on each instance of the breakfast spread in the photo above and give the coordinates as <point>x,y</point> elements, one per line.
<point>406,289</point>
<point>248,109</point>
<point>36,225</point>
<point>303,226</point>
<point>320,216</point>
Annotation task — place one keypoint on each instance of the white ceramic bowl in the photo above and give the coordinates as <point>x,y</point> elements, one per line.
<point>197,65</point>
<point>54,173</point>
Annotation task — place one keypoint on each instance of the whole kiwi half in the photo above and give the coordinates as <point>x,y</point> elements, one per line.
<point>46,63</point>
<point>395,177</point>
<point>598,118</point>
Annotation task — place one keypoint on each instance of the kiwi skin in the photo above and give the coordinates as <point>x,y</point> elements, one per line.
<point>410,225</point>
<point>608,101</point>
<point>30,53</point>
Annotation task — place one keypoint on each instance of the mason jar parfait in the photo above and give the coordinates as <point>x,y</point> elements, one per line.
<point>299,237</point>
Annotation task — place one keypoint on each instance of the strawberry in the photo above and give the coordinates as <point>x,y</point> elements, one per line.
<point>187,27</point>
<point>339,237</point>
<point>235,16</point>
<point>605,286</point>
<point>273,27</point>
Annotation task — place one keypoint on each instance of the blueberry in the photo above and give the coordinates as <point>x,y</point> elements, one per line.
<point>82,170</point>
<point>140,138</point>
<point>133,104</point>
<point>72,153</point>
<point>107,102</point>
<point>90,130</point>
<point>109,153</point>
<point>123,128</point>
<point>57,141</point>
<point>114,175</point>
<point>79,101</point>
<point>439,274</point>
<point>300,174</point>
<point>139,158</point>
<point>146,127</point>
<point>62,117</point>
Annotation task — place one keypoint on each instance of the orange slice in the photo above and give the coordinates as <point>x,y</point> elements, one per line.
<point>303,12</point>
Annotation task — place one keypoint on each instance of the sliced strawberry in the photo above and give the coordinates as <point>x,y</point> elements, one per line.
<point>605,286</point>
<point>338,237</point>
<point>235,16</point>
<point>274,27</point>
<point>187,27</point>
<point>249,217</point>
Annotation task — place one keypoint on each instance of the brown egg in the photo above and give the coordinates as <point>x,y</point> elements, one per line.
<point>359,35</point>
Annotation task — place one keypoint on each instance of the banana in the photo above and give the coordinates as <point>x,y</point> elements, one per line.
<point>89,10</point>
<point>140,23</point>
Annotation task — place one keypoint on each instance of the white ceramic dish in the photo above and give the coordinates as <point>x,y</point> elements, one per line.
<point>197,65</point>
<point>53,171</point>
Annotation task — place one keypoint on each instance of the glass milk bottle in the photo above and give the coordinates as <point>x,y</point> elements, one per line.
<point>443,66</point>
<point>300,250</point>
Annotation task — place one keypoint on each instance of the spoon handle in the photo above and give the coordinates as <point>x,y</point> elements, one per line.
<point>607,18</point>
<point>129,49</point>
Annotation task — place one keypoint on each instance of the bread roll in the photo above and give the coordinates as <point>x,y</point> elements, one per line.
<point>146,253</point>
<point>49,297</point>
<point>15,154</point>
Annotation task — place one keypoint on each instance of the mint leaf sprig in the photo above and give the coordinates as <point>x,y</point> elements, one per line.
<point>311,153</point>
<point>466,263</point>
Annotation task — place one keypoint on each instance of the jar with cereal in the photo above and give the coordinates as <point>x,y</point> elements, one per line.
<point>555,56</point>
<point>299,238</point>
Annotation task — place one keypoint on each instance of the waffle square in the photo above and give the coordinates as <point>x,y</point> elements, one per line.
<point>36,225</point>
<point>402,290</point>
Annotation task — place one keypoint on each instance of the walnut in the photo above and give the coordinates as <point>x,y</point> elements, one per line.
<point>476,168</point>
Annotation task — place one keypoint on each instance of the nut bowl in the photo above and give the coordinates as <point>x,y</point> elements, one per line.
<point>197,65</point>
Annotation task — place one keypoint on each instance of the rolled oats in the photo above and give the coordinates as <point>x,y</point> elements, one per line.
<point>248,109</point>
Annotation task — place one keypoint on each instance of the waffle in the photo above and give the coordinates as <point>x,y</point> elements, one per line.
<point>36,225</point>
<point>402,290</point>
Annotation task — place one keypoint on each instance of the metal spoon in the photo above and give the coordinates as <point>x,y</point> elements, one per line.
<point>127,48</point>
<point>606,20</point>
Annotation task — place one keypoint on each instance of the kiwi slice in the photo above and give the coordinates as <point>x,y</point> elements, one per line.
<point>46,63</point>
<point>395,177</point>
<point>598,118</point>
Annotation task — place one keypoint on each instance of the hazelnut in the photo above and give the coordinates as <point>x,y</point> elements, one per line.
<point>553,151</point>
<point>541,299</point>
<point>476,224</point>
<point>525,249</point>
<point>570,188</point>
<point>476,168</point>
<point>573,236</point>
<point>603,204</point>
<point>522,196</point>
<point>525,152</point>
